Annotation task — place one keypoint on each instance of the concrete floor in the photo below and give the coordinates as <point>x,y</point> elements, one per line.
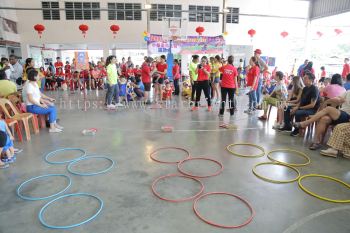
<point>128,136</point>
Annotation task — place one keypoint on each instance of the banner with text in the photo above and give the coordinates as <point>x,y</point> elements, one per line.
<point>191,45</point>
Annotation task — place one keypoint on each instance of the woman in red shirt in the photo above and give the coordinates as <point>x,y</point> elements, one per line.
<point>146,77</point>
<point>252,82</point>
<point>176,76</point>
<point>228,85</point>
<point>60,77</point>
<point>203,71</point>
<point>161,68</point>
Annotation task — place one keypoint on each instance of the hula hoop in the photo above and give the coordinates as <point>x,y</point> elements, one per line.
<point>18,191</point>
<point>42,221</point>
<point>275,181</point>
<point>166,148</point>
<point>318,196</point>
<point>290,164</point>
<point>199,158</point>
<point>69,167</point>
<point>252,212</point>
<point>52,153</point>
<point>176,200</point>
<point>246,144</point>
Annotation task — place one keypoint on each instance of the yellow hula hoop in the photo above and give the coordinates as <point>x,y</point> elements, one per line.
<point>290,164</point>
<point>243,155</point>
<point>318,196</point>
<point>275,181</point>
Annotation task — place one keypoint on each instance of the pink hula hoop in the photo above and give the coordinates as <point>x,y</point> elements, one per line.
<point>179,166</point>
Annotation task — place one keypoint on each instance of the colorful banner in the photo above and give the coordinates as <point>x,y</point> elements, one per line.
<point>81,60</point>
<point>191,45</point>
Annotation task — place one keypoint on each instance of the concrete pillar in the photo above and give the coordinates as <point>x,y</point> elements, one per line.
<point>184,64</point>
<point>25,51</point>
<point>59,54</point>
<point>105,51</point>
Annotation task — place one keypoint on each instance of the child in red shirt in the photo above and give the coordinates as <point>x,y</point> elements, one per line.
<point>130,72</point>
<point>67,70</point>
<point>60,77</point>
<point>58,64</point>
<point>84,78</point>
<point>168,90</point>
<point>176,76</point>
<point>75,81</point>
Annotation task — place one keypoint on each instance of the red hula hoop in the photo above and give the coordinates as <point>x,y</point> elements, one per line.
<point>176,200</point>
<point>200,158</point>
<point>219,225</point>
<point>165,148</point>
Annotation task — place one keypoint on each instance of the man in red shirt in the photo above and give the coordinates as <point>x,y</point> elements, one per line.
<point>58,64</point>
<point>228,85</point>
<point>346,68</point>
<point>161,71</point>
<point>146,77</point>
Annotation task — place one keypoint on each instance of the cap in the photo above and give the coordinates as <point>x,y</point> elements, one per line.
<point>258,51</point>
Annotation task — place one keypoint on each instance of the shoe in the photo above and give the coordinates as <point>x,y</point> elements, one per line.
<point>262,118</point>
<point>4,165</point>
<point>194,109</point>
<point>297,125</point>
<point>285,129</point>
<point>295,132</point>
<point>17,151</point>
<point>55,130</point>
<point>119,105</point>
<point>221,115</point>
<point>209,109</point>
<point>11,160</point>
<point>248,111</point>
<point>111,106</point>
<point>330,152</point>
<point>315,146</point>
<point>59,127</point>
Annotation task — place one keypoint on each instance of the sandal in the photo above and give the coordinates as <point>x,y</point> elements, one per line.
<point>3,166</point>
<point>262,118</point>
<point>315,146</point>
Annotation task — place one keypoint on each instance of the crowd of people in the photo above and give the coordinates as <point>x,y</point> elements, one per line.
<point>300,98</point>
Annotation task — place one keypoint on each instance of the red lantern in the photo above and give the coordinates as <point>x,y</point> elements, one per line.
<point>200,30</point>
<point>39,28</point>
<point>83,28</point>
<point>284,34</point>
<point>320,34</point>
<point>252,33</point>
<point>338,31</point>
<point>114,28</point>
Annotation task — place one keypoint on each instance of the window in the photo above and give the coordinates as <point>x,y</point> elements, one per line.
<point>203,13</point>
<point>50,14</point>
<point>233,15</point>
<point>124,11</point>
<point>82,10</point>
<point>159,11</point>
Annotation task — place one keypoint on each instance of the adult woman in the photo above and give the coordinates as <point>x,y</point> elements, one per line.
<point>339,142</point>
<point>216,77</point>
<point>228,85</point>
<point>42,81</point>
<point>203,71</point>
<point>146,77</point>
<point>29,64</point>
<point>38,103</point>
<point>112,83</point>
<point>176,76</point>
<point>252,82</point>
<point>335,88</point>
<point>278,95</point>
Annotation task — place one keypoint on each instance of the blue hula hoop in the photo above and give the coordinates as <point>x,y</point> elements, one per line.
<point>69,167</point>
<point>42,221</point>
<point>42,198</point>
<point>52,153</point>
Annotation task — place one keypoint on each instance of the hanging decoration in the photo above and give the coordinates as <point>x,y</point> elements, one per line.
<point>200,30</point>
<point>284,34</point>
<point>252,33</point>
<point>145,35</point>
<point>114,28</point>
<point>320,34</point>
<point>225,33</point>
<point>83,28</point>
<point>338,31</point>
<point>39,28</point>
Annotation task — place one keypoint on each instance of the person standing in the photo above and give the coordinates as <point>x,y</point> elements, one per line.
<point>228,86</point>
<point>203,82</point>
<point>28,66</point>
<point>193,75</point>
<point>263,68</point>
<point>301,68</point>
<point>346,68</point>
<point>176,76</point>
<point>161,67</point>
<point>146,78</point>
<point>112,83</point>
<point>216,77</point>
<point>252,82</point>
<point>17,70</point>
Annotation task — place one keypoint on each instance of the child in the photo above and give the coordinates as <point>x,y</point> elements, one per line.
<point>60,77</point>
<point>186,89</point>
<point>130,73</point>
<point>58,64</point>
<point>168,90</point>
<point>84,77</point>
<point>6,146</point>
